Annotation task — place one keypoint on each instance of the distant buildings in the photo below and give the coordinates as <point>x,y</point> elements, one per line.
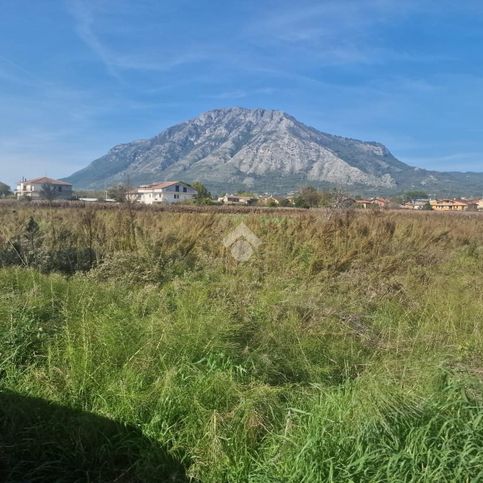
<point>419,204</point>
<point>167,192</point>
<point>43,188</point>
<point>271,200</point>
<point>237,200</point>
<point>372,203</point>
<point>454,205</point>
<point>163,192</point>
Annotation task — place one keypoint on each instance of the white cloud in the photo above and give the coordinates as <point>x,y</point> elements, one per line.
<point>337,32</point>
<point>116,60</point>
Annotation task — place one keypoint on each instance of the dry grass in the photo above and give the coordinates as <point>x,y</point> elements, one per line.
<point>348,348</point>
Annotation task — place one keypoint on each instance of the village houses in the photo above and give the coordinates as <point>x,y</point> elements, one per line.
<point>179,191</point>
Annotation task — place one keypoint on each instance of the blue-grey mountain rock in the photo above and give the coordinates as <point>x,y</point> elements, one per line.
<point>264,150</point>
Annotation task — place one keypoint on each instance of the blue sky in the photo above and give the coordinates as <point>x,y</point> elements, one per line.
<point>79,76</point>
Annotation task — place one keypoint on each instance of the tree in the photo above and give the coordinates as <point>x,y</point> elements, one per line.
<point>339,199</point>
<point>203,196</point>
<point>415,195</point>
<point>308,197</point>
<point>118,193</point>
<point>4,190</point>
<point>48,192</point>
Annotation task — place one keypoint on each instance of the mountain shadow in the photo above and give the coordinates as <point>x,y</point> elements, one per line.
<point>43,441</point>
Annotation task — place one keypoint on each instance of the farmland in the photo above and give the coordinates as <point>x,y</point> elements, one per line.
<point>134,347</point>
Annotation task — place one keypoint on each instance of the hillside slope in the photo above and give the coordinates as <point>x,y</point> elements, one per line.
<point>263,150</point>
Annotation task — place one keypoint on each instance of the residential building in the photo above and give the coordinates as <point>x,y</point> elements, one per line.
<point>44,188</point>
<point>164,192</point>
<point>237,200</point>
<point>420,204</point>
<point>372,203</point>
<point>268,200</point>
<point>454,205</point>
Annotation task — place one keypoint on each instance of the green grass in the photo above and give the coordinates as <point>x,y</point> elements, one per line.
<point>347,349</point>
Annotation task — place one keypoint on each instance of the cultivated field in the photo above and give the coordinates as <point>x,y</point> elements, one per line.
<point>134,347</point>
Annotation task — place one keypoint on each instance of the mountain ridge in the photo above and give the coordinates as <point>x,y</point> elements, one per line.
<point>263,150</point>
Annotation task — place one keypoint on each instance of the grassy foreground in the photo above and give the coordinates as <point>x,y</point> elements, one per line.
<point>134,348</point>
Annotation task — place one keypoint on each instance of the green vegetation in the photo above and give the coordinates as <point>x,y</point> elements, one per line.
<point>310,197</point>
<point>204,196</point>
<point>348,348</point>
<point>414,195</point>
<point>119,192</point>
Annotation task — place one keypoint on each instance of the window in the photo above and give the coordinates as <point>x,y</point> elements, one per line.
<point>177,188</point>
<point>176,197</point>
<point>185,189</point>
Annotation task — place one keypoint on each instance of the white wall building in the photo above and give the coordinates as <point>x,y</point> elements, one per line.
<point>165,192</point>
<point>39,188</point>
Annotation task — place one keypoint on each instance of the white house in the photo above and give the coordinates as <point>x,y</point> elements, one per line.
<point>165,192</point>
<point>44,187</point>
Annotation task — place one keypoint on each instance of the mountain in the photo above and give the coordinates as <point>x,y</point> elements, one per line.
<point>264,150</point>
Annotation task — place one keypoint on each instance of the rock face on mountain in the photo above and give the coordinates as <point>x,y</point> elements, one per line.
<point>259,150</point>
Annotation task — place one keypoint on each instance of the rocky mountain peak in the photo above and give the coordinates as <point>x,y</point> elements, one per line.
<point>260,149</point>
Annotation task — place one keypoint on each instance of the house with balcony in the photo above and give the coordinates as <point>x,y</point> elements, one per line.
<point>43,188</point>
<point>163,192</point>
<point>454,205</point>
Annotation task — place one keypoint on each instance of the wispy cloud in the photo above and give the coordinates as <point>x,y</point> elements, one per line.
<point>84,18</point>
<point>116,60</point>
<point>337,32</point>
<point>13,72</point>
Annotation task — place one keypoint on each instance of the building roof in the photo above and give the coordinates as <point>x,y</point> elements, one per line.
<point>452,203</point>
<point>46,180</point>
<point>162,185</point>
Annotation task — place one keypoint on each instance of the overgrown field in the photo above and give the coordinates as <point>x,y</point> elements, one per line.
<point>133,347</point>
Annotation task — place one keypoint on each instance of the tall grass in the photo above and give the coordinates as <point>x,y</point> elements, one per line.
<point>348,348</point>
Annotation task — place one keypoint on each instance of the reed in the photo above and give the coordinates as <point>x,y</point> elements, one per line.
<point>347,348</point>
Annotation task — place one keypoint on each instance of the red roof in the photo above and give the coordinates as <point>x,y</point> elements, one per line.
<point>45,180</point>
